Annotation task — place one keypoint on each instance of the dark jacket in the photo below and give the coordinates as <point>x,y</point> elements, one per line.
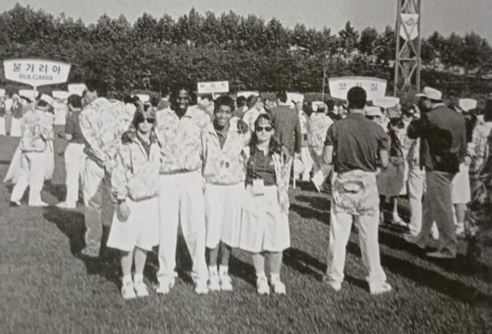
<point>443,139</point>
<point>287,128</point>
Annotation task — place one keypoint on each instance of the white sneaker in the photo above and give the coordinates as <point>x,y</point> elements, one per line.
<point>279,287</point>
<point>66,205</point>
<point>377,289</point>
<point>165,286</point>
<point>337,286</point>
<point>38,204</point>
<point>201,287</point>
<point>128,292</point>
<point>90,252</point>
<point>15,203</point>
<point>141,289</point>
<point>213,282</point>
<point>262,286</point>
<point>225,282</point>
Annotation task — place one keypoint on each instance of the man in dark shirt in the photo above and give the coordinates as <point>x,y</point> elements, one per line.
<point>443,146</point>
<point>356,147</point>
<point>74,153</point>
<point>287,125</point>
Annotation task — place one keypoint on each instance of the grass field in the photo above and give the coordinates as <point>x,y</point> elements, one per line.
<point>47,287</point>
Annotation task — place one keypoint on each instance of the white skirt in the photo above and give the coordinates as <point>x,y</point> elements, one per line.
<point>460,187</point>
<point>223,213</point>
<point>263,226</point>
<point>2,126</point>
<point>140,230</point>
<point>15,127</point>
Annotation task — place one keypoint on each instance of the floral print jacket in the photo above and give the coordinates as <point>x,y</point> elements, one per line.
<point>37,130</point>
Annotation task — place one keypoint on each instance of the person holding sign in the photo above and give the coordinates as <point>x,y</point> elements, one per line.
<point>265,222</point>
<point>135,185</point>
<point>224,174</point>
<point>37,131</point>
<point>102,123</point>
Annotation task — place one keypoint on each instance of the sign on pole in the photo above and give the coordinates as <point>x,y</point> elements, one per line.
<point>60,94</point>
<point>2,92</point>
<point>29,93</point>
<point>213,87</point>
<point>409,30</point>
<point>375,88</point>
<point>36,72</point>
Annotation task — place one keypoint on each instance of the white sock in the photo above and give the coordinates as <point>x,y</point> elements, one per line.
<point>212,270</point>
<point>127,280</point>
<point>261,275</point>
<point>138,277</point>
<point>223,270</point>
<point>274,277</point>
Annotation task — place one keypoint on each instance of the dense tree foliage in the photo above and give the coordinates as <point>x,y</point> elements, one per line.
<point>153,53</point>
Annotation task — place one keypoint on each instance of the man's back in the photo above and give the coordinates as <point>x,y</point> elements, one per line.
<point>287,128</point>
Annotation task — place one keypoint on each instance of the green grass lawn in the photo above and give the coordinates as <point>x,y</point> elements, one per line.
<point>47,287</point>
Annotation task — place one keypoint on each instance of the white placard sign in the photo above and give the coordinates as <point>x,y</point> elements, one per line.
<point>143,97</point>
<point>60,94</point>
<point>375,88</point>
<point>248,93</point>
<point>2,92</point>
<point>76,88</point>
<point>213,87</point>
<point>295,97</point>
<point>29,93</point>
<point>386,102</point>
<point>467,104</point>
<point>409,30</point>
<point>36,72</point>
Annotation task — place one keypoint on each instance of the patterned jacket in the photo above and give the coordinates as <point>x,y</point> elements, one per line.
<point>225,165</point>
<point>181,140</point>
<point>37,129</point>
<point>102,123</point>
<point>318,126</point>
<point>136,174</point>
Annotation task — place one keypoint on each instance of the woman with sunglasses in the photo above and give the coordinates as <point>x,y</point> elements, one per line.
<point>264,225</point>
<point>134,181</point>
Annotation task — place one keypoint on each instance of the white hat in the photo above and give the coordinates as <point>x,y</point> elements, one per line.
<point>386,102</point>
<point>48,99</point>
<point>431,94</point>
<point>373,111</point>
<point>467,104</point>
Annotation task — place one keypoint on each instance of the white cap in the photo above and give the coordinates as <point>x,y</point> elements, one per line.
<point>467,104</point>
<point>143,97</point>
<point>373,111</point>
<point>386,102</point>
<point>431,93</point>
<point>48,99</point>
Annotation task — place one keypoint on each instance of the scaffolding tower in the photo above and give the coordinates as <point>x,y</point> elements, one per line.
<point>408,61</point>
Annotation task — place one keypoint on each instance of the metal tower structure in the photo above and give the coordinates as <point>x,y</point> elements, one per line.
<point>408,61</point>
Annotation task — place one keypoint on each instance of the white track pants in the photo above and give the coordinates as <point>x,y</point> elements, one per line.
<point>32,171</point>
<point>74,166</point>
<point>181,201</point>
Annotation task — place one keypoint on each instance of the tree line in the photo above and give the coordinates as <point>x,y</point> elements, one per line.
<point>154,53</point>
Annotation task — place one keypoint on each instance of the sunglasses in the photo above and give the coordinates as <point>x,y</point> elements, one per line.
<point>373,117</point>
<point>263,128</point>
<point>148,120</point>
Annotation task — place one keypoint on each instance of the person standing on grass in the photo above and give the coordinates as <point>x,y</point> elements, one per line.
<point>264,223</point>
<point>74,153</point>
<point>180,131</point>
<point>356,146</point>
<point>135,185</point>
<point>224,173</point>
<point>37,132</point>
<point>442,136</point>
<point>102,123</point>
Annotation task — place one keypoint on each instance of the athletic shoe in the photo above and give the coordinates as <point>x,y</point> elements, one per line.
<point>278,287</point>
<point>201,287</point>
<point>165,286</point>
<point>39,204</point>
<point>141,289</point>
<point>377,289</point>
<point>442,254</point>
<point>337,286</point>
<point>214,282</point>
<point>15,203</point>
<point>413,240</point>
<point>90,252</point>
<point>262,286</point>
<point>128,292</point>
<point>225,282</point>
<point>66,205</point>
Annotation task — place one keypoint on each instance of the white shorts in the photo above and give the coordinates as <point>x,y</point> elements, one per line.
<point>223,213</point>
<point>460,187</point>
<point>140,230</point>
<point>263,226</point>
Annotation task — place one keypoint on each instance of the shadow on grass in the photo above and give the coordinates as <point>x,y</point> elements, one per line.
<point>317,202</point>
<point>310,213</point>
<point>304,263</point>
<point>431,279</point>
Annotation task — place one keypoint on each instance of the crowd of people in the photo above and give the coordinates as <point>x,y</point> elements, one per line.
<point>221,169</point>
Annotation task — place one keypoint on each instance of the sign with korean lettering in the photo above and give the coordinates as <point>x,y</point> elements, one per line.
<point>77,88</point>
<point>36,72</point>
<point>213,87</point>
<point>375,88</point>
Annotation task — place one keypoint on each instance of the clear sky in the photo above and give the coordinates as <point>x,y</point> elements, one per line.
<point>445,16</point>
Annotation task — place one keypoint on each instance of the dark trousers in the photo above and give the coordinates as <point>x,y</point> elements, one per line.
<point>438,208</point>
